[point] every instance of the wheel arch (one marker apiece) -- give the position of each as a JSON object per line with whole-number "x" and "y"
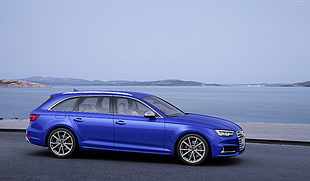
{"x": 65, "y": 127}
{"x": 192, "y": 132}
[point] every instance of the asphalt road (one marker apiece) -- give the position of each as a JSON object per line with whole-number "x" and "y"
{"x": 23, "y": 161}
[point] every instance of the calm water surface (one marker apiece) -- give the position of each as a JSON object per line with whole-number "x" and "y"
{"x": 240, "y": 104}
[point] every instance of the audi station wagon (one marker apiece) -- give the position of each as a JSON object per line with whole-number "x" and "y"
{"x": 130, "y": 122}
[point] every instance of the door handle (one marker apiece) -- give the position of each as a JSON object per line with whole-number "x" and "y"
{"x": 78, "y": 119}
{"x": 120, "y": 122}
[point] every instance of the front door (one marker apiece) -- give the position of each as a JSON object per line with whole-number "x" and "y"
{"x": 133, "y": 131}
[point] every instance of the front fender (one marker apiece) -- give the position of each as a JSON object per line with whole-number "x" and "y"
{"x": 173, "y": 132}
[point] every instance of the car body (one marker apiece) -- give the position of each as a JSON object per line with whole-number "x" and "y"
{"x": 133, "y": 122}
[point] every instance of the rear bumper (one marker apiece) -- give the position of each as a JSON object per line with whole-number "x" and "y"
{"x": 27, "y": 140}
{"x": 35, "y": 137}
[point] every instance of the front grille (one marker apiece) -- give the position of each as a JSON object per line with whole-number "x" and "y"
{"x": 241, "y": 139}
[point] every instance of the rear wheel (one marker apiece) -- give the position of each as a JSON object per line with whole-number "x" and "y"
{"x": 192, "y": 149}
{"x": 61, "y": 143}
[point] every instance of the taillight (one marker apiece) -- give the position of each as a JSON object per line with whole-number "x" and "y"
{"x": 34, "y": 117}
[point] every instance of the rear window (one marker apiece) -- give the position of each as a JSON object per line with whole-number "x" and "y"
{"x": 50, "y": 98}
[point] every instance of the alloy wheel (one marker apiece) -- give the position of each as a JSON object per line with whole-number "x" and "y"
{"x": 192, "y": 149}
{"x": 61, "y": 143}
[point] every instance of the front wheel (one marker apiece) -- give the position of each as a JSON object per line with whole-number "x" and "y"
{"x": 61, "y": 143}
{"x": 192, "y": 149}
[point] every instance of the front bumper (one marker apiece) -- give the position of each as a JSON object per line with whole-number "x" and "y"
{"x": 229, "y": 146}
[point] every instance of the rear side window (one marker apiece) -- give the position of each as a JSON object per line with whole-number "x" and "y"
{"x": 94, "y": 105}
{"x": 99, "y": 104}
{"x": 67, "y": 105}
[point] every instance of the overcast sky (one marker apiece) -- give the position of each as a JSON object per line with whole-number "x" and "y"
{"x": 212, "y": 41}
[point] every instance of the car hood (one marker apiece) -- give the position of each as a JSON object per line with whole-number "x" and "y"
{"x": 204, "y": 121}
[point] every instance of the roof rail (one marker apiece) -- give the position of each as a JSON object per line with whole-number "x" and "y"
{"x": 98, "y": 92}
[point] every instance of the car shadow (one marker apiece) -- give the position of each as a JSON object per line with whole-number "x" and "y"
{"x": 40, "y": 153}
{"x": 224, "y": 161}
{"x": 137, "y": 157}
{"x": 125, "y": 156}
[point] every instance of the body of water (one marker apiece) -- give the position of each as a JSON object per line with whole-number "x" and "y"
{"x": 239, "y": 104}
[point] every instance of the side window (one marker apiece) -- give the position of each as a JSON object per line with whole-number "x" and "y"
{"x": 88, "y": 105}
{"x": 95, "y": 105}
{"x": 131, "y": 107}
{"x": 67, "y": 105}
{"x": 103, "y": 105}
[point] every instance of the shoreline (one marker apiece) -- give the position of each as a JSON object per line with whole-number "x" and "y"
{"x": 253, "y": 130}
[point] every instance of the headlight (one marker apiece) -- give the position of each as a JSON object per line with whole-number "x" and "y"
{"x": 221, "y": 132}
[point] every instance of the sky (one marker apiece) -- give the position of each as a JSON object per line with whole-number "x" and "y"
{"x": 211, "y": 41}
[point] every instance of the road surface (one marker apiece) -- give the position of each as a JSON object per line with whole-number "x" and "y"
{"x": 23, "y": 161}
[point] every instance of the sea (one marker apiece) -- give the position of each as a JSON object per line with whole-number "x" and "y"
{"x": 235, "y": 103}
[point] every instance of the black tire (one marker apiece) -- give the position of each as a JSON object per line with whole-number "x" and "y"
{"x": 61, "y": 143}
{"x": 192, "y": 149}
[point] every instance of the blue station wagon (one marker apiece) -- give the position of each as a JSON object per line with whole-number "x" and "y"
{"x": 131, "y": 122}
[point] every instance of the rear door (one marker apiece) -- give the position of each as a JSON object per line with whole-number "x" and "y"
{"x": 93, "y": 118}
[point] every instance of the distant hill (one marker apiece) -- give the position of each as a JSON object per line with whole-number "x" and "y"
{"x": 259, "y": 85}
{"x": 19, "y": 83}
{"x": 300, "y": 84}
{"x": 172, "y": 82}
{"x": 167, "y": 82}
{"x": 60, "y": 81}
{"x": 72, "y": 81}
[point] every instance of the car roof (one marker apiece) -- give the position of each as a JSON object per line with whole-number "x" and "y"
{"x": 103, "y": 92}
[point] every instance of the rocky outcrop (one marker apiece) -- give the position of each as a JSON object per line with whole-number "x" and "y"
{"x": 19, "y": 83}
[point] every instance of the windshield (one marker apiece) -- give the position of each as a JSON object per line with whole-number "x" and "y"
{"x": 165, "y": 107}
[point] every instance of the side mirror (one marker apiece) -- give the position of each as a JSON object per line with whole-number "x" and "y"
{"x": 150, "y": 114}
